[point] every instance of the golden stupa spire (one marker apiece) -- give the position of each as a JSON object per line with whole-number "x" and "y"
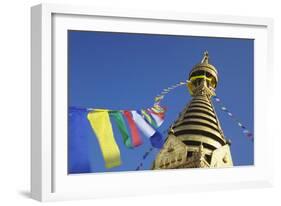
{"x": 196, "y": 136}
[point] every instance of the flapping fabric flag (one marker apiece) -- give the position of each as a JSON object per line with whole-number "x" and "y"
{"x": 80, "y": 136}
{"x": 146, "y": 129}
{"x": 157, "y": 117}
{"x": 157, "y": 112}
{"x": 217, "y": 99}
{"x": 118, "y": 117}
{"x": 158, "y": 109}
{"x": 101, "y": 125}
{"x": 154, "y": 136}
{"x": 157, "y": 140}
{"x": 136, "y": 139}
{"x": 148, "y": 118}
{"x": 158, "y": 98}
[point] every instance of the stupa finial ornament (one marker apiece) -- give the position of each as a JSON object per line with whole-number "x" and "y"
{"x": 205, "y": 58}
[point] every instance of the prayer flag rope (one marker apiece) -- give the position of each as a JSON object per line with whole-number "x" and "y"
{"x": 146, "y": 154}
{"x": 165, "y": 91}
{"x": 245, "y": 131}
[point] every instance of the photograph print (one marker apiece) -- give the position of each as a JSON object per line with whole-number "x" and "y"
{"x": 154, "y": 101}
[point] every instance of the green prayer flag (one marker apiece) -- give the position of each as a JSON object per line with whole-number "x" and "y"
{"x": 118, "y": 117}
{"x": 149, "y": 118}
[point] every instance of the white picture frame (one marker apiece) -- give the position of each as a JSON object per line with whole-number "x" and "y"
{"x": 49, "y": 178}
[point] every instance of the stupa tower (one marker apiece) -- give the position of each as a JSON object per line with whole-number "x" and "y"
{"x": 196, "y": 139}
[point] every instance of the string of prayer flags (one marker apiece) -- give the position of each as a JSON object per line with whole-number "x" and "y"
{"x": 165, "y": 91}
{"x": 244, "y": 129}
{"x": 147, "y": 121}
{"x": 128, "y": 123}
{"x": 101, "y": 125}
{"x": 118, "y": 117}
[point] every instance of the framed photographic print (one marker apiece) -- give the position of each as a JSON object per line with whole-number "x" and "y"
{"x": 137, "y": 102}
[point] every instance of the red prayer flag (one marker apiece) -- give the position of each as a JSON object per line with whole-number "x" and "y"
{"x": 136, "y": 139}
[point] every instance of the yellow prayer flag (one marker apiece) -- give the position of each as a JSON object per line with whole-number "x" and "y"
{"x": 101, "y": 125}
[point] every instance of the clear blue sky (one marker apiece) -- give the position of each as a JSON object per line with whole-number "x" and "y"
{"x": 126, "y": 71}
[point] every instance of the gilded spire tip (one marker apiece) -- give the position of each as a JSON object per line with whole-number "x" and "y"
{"x": 205, "y": 57}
